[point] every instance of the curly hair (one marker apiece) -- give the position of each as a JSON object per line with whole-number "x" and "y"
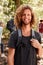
{"x": 18, "y": 15}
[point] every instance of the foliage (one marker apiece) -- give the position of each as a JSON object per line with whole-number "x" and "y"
{"x": 7, "y": 10}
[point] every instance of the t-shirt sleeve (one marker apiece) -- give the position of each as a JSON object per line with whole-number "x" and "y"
{"x": 13, "y": 40}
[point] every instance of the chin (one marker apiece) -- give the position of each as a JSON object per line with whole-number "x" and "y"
{"x": 26, "y": 23}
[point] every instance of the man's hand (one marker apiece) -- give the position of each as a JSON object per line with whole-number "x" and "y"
{"x": 35, "y": 43}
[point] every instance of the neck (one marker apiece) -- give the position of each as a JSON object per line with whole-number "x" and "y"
{"x": 26, "y": 30}
{"x": 26, "y": 27}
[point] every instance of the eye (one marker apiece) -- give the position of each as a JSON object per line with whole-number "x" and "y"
{"x": 23, "y": 14}
{"x": 29, "y": 15}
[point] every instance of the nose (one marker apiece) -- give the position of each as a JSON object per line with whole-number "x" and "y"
{"x": 26, "y": 16}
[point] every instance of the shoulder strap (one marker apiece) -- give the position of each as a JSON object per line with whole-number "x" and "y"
{"x": 33, "y": 34}
{"x": 19, "y": 37}
{"x": 19, "y": 33}
{"x": 34, "y": 50}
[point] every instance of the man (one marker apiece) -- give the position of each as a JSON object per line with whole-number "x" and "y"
{"x": 41, "y": 26}
{"x": 25, "y": 52}
{"x": 1, "y": 43}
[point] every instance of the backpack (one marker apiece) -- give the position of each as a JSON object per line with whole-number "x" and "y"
{"x": 20, "y": 36}
{"x": 33, "y": 62}
{"x": 10, "y": 25}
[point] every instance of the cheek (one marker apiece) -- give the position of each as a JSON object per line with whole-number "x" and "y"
{"x": 23, "y": 18}
{"x": 29, "y": 17}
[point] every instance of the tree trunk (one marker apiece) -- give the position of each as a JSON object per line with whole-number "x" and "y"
{"x": 17, "y": 3}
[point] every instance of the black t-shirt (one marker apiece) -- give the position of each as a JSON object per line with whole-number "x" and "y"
{"x": 25, "y": 55}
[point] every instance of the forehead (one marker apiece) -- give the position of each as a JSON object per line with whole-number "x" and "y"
{"x": 27, "y": 11}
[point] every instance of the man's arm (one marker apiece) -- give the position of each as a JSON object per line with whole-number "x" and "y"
{"x": 35, "y": 43}
{"x": 11, "y": 53}
{"x": 40, "y": 51}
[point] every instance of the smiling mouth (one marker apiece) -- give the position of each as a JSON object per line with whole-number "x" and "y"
{"x": 27, "y": 19}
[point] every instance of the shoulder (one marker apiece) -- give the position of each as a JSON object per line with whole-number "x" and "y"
{"x": 36, "y": 33}
{"x": 38, "y": 36}
{"x": 13, "y": 39}
{"x": 14, "y": 32}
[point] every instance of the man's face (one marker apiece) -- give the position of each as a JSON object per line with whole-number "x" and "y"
{"x": 26, "y": 17}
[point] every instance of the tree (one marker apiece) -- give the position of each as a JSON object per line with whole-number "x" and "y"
{"x": 17, "y": 3}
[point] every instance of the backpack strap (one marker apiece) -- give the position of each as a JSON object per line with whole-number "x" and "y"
{"x": 34, "y": 50}
{"x": 33, "y": 34}
{"x": 19, "y": 37}
{"x": 19, "y": 44}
